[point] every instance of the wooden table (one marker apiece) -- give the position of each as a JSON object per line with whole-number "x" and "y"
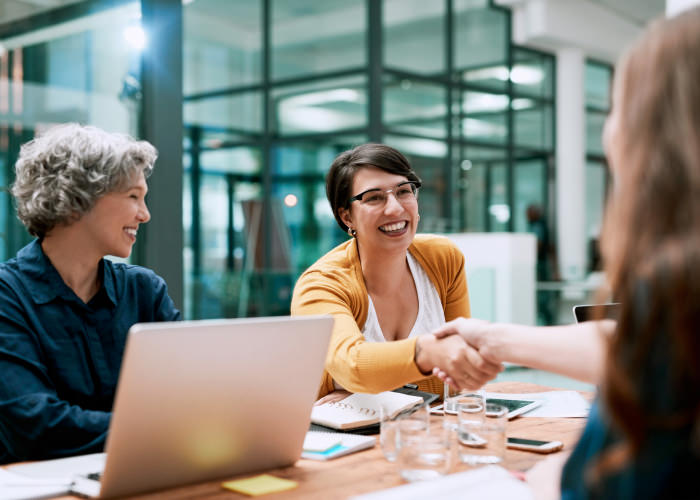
{"x": 368, "y": 471}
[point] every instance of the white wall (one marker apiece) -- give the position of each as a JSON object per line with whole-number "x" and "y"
{"x": 500, "y": 271}
{"x": 673, "y": 7}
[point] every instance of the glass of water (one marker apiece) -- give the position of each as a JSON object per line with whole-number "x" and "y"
{"x": 482, "y": 435}
{"x": 452, "y": 398}
{"x": 414, "y": 420}
{"x": 423, "y": 454}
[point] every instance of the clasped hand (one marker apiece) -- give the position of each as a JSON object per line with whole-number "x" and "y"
{"x": 459, "y": 354}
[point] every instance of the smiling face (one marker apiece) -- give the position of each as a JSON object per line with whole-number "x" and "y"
{"x": 388, "y": 226}
{"x": 113, "y": 222}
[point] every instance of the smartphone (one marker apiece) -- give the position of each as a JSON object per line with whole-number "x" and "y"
{"x": 534, "y": 445}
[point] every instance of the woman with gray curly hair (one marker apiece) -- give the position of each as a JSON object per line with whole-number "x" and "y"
{"x": 64, "y": 309}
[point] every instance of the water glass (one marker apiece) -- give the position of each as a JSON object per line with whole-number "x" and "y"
{"x": 423, "y": 454}
{"x": 482, "y": 435}
{"x": 416, "y": 419}
{"x": 453, "y": 398}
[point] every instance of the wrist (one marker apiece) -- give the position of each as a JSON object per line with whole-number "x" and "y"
{"x": 422, "y": 354}
{"x": 497, "y": 341}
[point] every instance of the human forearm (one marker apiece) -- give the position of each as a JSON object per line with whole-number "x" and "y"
{"x": 576, "y": 351}
{"x": 373, "y": 367}
{"x": 39, "y": 426}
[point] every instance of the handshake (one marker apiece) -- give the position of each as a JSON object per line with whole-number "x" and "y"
{"x": 464, "y": 353}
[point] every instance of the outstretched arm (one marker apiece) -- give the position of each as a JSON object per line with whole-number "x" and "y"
{"x": 576, "y": 351}
{"x": 360, "y": 366}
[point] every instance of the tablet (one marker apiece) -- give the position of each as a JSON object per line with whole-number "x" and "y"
{"x": 516, "y": 406}
{"x": 587, "y": 312}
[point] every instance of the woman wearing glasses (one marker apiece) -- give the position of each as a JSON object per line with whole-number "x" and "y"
{"x": 387, "y": 286}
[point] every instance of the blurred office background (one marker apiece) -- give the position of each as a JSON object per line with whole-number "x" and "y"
{"x": 498, "y": 104}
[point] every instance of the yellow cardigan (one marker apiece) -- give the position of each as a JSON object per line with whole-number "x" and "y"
{"x": 335, "y": 285}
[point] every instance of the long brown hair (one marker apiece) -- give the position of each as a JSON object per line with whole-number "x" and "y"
{"x": 651, "y": 238}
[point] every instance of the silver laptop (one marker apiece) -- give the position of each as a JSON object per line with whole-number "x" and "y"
{"x": 202, "y": 400}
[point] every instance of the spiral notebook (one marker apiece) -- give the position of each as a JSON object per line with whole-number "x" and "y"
{"x": 327, "y": 445}
{"x": 360, "y": 410}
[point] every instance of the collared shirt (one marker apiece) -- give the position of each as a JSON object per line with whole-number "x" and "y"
{"x": 60, "y": 357}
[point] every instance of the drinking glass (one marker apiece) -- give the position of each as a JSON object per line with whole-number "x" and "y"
{"x": 416, "y": 419}
{"x": 452, "y": 398}
{"x": 482, "y": 435}
{"x": 423, "y": 453}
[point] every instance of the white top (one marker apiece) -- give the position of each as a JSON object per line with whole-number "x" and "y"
{"x": 431, "y": 314}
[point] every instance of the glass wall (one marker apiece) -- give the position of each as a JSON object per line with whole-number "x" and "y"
{"x": 275, "y": 89}
{"x": 597, "y": 86}
{"x": 79, "y": 63}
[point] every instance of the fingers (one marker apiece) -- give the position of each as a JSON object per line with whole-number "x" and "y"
{"x": 332, "y": 397}
{"x": 472, "y": 330}
{"x": 446, "y": 330}
{"x": 481, "y": 370}
{"x": 463, "y": 365}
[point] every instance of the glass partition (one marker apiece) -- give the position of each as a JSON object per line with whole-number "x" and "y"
{"x": 320, "y": 106}
{"x": 414, "y": 35}
{"x": 414, "y": 107}
{"x": 222, "y": 44}
{"x": 84, "y": 67}
{"x": 468, "y": 109}
{"x": 311, "y": 37}
{"x": 481, "y": 44}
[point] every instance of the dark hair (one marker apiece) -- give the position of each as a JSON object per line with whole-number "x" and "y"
{"x": 342, "y": 172}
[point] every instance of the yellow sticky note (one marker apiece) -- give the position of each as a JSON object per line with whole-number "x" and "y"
{"x": 260, "y": 485}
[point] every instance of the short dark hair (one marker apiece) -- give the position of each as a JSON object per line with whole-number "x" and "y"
{"x": 342, "y": 172}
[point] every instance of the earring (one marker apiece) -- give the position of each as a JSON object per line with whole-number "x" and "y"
{"x": 351, "y": 232}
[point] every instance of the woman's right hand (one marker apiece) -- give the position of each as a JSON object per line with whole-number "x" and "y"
{"x": 462, "y": 365}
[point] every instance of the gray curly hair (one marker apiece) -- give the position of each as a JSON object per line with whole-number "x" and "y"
{"x": 60, "y": 175}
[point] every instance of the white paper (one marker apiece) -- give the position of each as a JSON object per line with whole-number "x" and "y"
{"x": 62, "y": 469}
{"x": 321, "y": 441}
{"x": 555, "y": 404}
{"x": 486, "y": 483}
{"x": 17, "y": 487}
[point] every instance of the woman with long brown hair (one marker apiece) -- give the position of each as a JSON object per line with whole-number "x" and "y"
{"x": 642, "y": 439}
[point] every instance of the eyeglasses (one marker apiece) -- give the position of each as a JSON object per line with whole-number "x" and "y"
{"x": 404, "y": 193}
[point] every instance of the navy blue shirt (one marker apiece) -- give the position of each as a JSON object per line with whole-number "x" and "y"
{"x": 60, "y": 357}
